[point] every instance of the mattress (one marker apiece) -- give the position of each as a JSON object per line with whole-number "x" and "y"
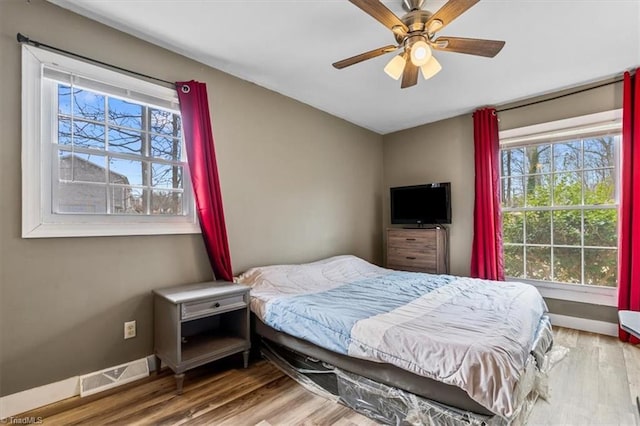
{"x": 477, "y": 336}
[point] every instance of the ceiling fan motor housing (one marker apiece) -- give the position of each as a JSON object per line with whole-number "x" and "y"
{"x": 410, "y": 5}
{"x": 415, "y": 21}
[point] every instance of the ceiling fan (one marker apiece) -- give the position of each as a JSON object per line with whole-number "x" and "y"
{"x": 416, "y": 33}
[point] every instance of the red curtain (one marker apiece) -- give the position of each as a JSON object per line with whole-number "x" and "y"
{"x": 196, "y": 122}
{"x": 629, "y": 216}
{"x": 486, "y": 255}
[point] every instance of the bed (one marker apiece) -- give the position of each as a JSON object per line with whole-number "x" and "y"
{"x": 471, "y": 345}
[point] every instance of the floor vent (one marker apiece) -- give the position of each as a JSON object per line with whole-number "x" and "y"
{"x": 112, "y": 377}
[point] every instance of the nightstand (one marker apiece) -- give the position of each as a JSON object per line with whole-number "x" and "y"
{"x": 200, "y": 323}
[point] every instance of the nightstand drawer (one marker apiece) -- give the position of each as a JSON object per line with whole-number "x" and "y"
{"x": 200, "y": 308}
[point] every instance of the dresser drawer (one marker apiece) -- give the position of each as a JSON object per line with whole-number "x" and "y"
{"x": 408, "y": 257}
{"x": 414, "y": 240}
{"x": 200, "y": 308}
{"x": 428, "y": 270}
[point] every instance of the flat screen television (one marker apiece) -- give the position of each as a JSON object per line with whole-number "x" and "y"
{"x": 421, "y": 204}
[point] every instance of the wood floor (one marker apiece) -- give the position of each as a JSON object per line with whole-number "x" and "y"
{"x": 595, "y": 384}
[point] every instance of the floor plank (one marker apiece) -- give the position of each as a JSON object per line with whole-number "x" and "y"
{"x": 592, "y": 385}
{"x": 596, "y": 384}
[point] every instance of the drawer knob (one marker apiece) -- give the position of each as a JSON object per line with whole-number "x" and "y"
{"x": 216, "y": 305}
{"x": 411, "y": 258}
{"x": 411, "y": 239}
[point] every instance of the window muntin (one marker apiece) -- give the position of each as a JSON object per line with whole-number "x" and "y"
{"x": 559, "y": 206}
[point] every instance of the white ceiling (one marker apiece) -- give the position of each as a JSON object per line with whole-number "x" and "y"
{"x": 288, "y": 46}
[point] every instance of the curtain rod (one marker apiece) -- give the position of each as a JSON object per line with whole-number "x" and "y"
{"x": 24, "y": 39}
{"x": 575, "y": 92}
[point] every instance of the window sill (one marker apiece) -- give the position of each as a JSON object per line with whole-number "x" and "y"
{"x": 102, "y": 230}
{"x": 595, "y": 295}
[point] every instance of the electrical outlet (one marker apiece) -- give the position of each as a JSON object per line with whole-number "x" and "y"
{"x": 129, "y": 329}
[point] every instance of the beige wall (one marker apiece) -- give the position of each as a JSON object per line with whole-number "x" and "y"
{"x": 298, "y": 185}
{"x": 591, "y": 101}
{"x": 437, "y": 152}
{"x": 443, "y": 151}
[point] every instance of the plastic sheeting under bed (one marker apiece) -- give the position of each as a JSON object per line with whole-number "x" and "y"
{"x": 393, "y": 406}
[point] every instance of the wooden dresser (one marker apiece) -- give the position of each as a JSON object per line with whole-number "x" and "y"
{"x": 417, "y": 250}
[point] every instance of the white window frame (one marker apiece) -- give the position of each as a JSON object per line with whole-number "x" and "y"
{"x": 556, "y": 130}
{"x": 38, "y": 217}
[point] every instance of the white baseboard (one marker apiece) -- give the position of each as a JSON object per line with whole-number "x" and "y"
{"x": 593, "y": 326}
{"x": 31, "y": 399}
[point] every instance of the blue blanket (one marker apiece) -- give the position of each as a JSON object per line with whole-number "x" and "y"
{"x": 326, "y": 318}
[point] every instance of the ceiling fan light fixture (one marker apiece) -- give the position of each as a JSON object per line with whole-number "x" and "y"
{"x": 395, "y": 67}
{"x": 420, "y": 53}
{"x": 431, "y": 68}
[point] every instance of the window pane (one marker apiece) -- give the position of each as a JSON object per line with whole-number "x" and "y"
{"x": 88, "y": 135}
{"x": 64, "y": 99}
{"x": 83, "y": 133}
{"x": 599, "y": 187}
{"x": 165, "y": 123}
{"x": 567, "y": 227}
{"x": 600, "y": 152}
{"x": 81, "y": 167}
{"x": 514, "y": 261}
{"x": 127, "y": 200}
{"x": 166, "y": 202}
{"x": 126, "y": 172}
{"x": 538, "y": 227}
{"x": 126, "y": 114}
{"x": 513, "y": 227}
{"x": 513, "y": 162}
{"x": 538, "y": 190}
{"x": 165, "y": 176}
{"x": 82, "y": 198}
{"x": 88, "y": 105}
{"x": 167, "y": 148}
{"x": 538, "y": 159}
{"x": 601, "y": 267}
{"x": 127, "y": 141}
{"x": 64, "y": 131}
{"x": 601, "y": 228}
{"x": 567, "y": 190}
{"x": 539, "y": 263}
{"x": 567, "y": 156}
{"x": 513, "y": 192}
{"x": 567, "y": 265}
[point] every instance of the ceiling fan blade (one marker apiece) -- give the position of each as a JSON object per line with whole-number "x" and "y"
{"x": 364, "y": 56}
{"x": 470, "y": 46}
{"x": 380, "y": 12}
{"x": 447, "y": 13}
{"x": 410, "y": 75}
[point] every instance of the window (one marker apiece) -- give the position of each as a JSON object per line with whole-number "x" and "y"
{"x": 103, "y": 152}
{"x": 559, "y": 191}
